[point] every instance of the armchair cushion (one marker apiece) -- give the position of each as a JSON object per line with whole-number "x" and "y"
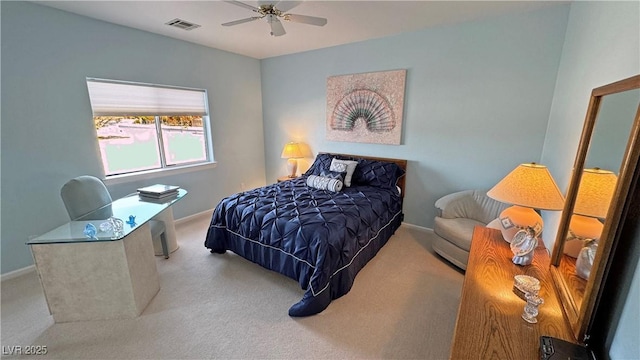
{"x": 456, "y": 231}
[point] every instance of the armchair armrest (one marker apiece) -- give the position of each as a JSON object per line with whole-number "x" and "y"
{"x": 469, "y": 204}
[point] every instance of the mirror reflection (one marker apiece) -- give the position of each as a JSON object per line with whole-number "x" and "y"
{"x": 597, "y": 185}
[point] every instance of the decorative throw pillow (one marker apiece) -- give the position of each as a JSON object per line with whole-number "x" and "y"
{"x": 337, "y": 165}
{"x": 335, "y": 174}
{"x": 377, "y": 173}
{"x": 320, "y": 164}
{"x": 324, "y": 183}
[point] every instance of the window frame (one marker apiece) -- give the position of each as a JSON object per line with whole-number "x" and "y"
{"x": 164, "y": 169}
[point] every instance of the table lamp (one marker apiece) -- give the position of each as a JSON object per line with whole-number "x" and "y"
{"x": 592, "y": 203}
{"x": 527, "y": 187}
{"x": 291, "y": 152}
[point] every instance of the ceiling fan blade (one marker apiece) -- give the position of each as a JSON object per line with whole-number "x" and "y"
{"x": 304, "y": 19}
{"x": 241, "y": 21}
{"x": 267, "y": 2}
{"x": 241, "y": 4}
{"x": 276, "y": 26}
{"x": 286, "y": 5}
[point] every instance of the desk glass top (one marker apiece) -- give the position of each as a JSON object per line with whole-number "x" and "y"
{"x": 143, "y": 209}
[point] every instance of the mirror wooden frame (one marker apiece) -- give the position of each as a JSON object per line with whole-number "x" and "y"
{"x": 579, "y": 318}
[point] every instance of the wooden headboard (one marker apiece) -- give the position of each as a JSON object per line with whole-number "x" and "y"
{"x": 400, "y": 162}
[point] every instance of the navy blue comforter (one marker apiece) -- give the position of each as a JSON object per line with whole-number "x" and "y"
{"x": 317, "y": 237}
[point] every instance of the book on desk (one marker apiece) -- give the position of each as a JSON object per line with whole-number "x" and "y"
{"x": 158, "y": 191}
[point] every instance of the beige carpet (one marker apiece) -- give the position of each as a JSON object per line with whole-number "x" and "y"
{"x": 403, "y": 305}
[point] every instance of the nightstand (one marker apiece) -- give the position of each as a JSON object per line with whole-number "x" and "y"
{"x": 285, "y": 178}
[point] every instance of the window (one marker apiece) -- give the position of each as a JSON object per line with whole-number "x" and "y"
{"x": 144, "y": 127}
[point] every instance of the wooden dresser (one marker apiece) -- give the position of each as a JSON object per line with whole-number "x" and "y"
{"x": 489, "y": 324}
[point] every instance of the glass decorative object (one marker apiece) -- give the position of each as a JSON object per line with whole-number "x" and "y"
{"x": 117, "y": 225}
{"x": 531, "y": 308}
{"x": 90, "y": 231}
{"x": 132, "y": 221}
{"x": 523, "y": 245}
{"x": 527, "y": 284}
{"x": 106, "y": 226}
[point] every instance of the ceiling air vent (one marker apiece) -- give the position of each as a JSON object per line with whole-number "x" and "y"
{"x": 181, "y": 24}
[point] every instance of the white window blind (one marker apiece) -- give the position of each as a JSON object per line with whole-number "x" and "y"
{"x": 109, "y": 98}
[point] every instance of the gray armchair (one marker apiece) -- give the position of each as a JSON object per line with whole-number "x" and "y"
{"x": 458, "y": 214}
{"x": 84, "y": 194}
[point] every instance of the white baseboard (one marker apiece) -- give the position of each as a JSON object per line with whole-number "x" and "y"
{"x": 15, "y": 273}
{"x": 417, "y": 227}
{"x": 197, "y": 216}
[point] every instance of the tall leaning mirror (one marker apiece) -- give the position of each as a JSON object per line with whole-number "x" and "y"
{"x": 606, "y": 158}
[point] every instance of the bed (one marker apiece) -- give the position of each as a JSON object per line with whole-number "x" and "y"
{"x": 318, "y": 237}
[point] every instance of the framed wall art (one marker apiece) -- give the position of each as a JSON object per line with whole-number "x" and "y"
{"x": 366, "y": 107}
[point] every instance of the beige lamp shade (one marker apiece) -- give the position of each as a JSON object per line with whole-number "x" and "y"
{"x": 595, "y": 193}
{"x": 529, "y": 185}
{"x": 291, "y": 150}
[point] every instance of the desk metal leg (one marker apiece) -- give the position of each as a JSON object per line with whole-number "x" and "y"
{"x": 165, "y": 246}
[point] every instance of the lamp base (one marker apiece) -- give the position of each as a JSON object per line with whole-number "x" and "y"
{"x": 523, "y": 260}
{"x": 581, "y": 228}
{"x": 516, "y": 218}
{"x": 292, "y": 167}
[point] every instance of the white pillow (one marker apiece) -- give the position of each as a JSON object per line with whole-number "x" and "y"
{"x": 337, "y": 165}
{"x": 324, "y": 183}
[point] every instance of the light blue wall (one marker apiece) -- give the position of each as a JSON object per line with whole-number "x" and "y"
{"x": 47, "y": 131}
{"x": 477, "y": 101}
{"x": 602, "y": 45}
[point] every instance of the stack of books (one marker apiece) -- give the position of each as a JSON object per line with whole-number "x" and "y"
{"x": 158, "y": 191}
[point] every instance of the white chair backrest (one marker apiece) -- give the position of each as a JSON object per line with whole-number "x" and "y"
{"x": 85, "y": 194}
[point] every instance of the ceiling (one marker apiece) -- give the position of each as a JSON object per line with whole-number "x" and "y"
{"x": 348, "y": 21}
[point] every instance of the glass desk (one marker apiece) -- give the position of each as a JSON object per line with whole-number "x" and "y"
{"x": 107, "y": 276}
{"x": 143, "y": 209}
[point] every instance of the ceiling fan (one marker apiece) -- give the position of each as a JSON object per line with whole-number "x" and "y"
{"x": 269, "y": 11}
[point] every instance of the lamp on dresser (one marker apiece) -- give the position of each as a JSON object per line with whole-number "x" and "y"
{"x": 527, "y": 187}
{"x": 291, "y": 152}
{"x": 592, "y": 203}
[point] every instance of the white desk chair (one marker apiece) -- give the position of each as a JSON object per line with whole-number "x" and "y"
{"x": 84, "y": 194}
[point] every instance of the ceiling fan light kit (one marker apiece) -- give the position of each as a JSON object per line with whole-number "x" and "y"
{"x": 273, "y": 16}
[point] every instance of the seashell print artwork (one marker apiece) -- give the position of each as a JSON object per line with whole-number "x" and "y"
{"x": 366, "y": 107}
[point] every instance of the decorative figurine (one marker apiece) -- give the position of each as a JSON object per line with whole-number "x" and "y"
{"x": 584, "y": 262}
{"x": 90, "y": 231}
{"x": 132, "y": 221}
{"x": 523, "y": 245}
